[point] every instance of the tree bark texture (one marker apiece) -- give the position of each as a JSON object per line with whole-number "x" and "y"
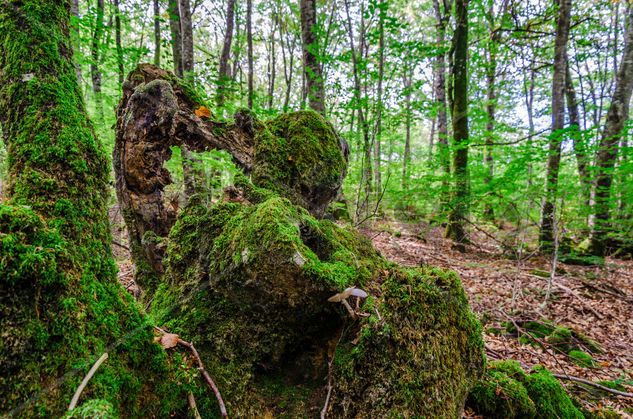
{"x": 312, "y": 68}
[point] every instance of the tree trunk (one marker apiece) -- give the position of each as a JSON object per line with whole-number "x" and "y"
{"x": 582, "y": 159}
{"x": 95, "y": 72}
{"x": 186, "y": 33}
{"x": 176, "y": 36}
{"x": 249, "y": 41}
{"x": 119, "y": 47}
{"x": 442, "y": 16}
{"x": 75, "y": 37}
{"x": 61, "y": 305}
{"x": 406, "y": 160}
{"x": 608, "y": 148}
{"x": 312, "y": 68}
{"x": 157, "y": 40}
{"x": 378, "y": 128}
{"x": 546, "y": 236}
{"x": 459, "y": 76}
{"x": 223, "y": 73}
{"x": 272, "y": 60}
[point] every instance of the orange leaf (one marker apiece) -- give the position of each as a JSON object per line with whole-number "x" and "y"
{"x": 203, "y": 112}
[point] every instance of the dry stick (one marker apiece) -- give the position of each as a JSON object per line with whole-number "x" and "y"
{"x": 591, "y": 383}
{"x": 203, "y": 371}
{"x": 329, "y": 376}
{"x": 193, "y": 406}
{"x": 75, "y": 399}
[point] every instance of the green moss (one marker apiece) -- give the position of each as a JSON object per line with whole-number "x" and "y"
{"x": 298, "y": 155}
{"x": 501, "y": 393}
{"x": 93, "y": 409}
{"x": 582, "y": 358}
{"x": 549, "y": 396}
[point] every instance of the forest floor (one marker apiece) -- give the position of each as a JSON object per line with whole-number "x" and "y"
{"x": 595, "y": 301}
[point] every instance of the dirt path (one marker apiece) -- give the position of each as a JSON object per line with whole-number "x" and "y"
{"x": 597, "y": 302}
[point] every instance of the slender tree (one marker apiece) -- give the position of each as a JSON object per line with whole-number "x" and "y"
{"x": 315, "y": 89}
{"x": 546, "y": 235}
{"x": 249, "y": 42}
{"x": 119, "y": 48}
{"x": 95, "y": 49}
{"x": 608, "y": 149}
{"x": 176, "y": 37}
{"x": 186, "y": 33}
{"x": 223, "y": 73}
{"x": 459, "y": 115}
{"x": 157, "y": 37}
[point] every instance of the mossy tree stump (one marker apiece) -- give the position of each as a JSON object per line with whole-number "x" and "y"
{"x": 248, "y": 279}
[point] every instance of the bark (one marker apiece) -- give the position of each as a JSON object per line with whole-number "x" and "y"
{"x": 546, "y": 234}
{"x": 442, "y": 15}
{"x": 75, "y": 37}
{"x": 272, "y": 60}
{"x": 315, "y": 89}
{"x": 249, "y": 41}
{"x": 608, "y": 148}
{"x": 95, "y": 72}
{"x": 459, "y": 113}
{"x": 176, "y": 36}
{"x": 119, "y": 47}
{"x": 157, "y": 38}
{"x": 288, "y": 43}
{"x": 223, "y": 73}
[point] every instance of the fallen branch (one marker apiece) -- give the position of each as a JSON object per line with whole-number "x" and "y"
{"x": 202, "y": 370}
{"x": 122, "y": 246}
{"x": 591, "y": 383}
{"x": 574, "y": 294}
{"x": 75, "y": 399}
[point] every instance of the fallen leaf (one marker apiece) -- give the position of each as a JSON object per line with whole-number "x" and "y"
{"x": 169, "y": 340}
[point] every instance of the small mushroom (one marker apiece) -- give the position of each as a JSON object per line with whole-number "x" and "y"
{"x": 342, "y": 297}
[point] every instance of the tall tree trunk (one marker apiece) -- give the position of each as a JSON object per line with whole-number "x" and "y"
{"x": 608, "y": 149}
{"x": 362, "y": 207}
{"x": 442, "y": 15}
{"x": 459, "y": 76}
{"x": 176, "y": 36}
{"x": 582, "y": 159}
{"x": 186, "y": 33}
{"x": 75, "y": 38}
{"x": 378, "y": 128}
{"x": 288, "y": 52}
{"x": 406, "y": 160}
{"x": 272, "y": 60}
{"x": 249, "y": 42}
{"x": 546, "y": 236}
{"x": 312, "y": 68}
{"x": 157, "y": 40}
{"x": 119, "y": 47}
{"x": 95, "y": 72}
{"x": 223, "y": 73}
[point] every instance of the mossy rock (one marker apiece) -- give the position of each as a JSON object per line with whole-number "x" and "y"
{"x": 248, "y": 280}
{"x": 506, "y": 391}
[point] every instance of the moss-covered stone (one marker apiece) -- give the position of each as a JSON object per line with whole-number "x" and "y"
{"x": 506, "y": 391}
{"x": 248, "y": 281}
{"x": 501, "y": 393}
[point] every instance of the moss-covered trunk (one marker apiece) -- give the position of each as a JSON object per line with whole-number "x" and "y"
{"x": 60, "y": 304}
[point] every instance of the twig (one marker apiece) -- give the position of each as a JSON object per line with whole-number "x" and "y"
{"x": 122, "y": 246}
{"x": 591, "y": 383}
{"x": 573, "y": 294}
{"x": 75, "y": 399}
{"x": 192, "y": 404}
{"x": 203, "y": 371}
{"x": 329, "y": 377}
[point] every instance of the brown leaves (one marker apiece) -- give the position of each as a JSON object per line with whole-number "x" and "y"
{"x": 203, "y": 112}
